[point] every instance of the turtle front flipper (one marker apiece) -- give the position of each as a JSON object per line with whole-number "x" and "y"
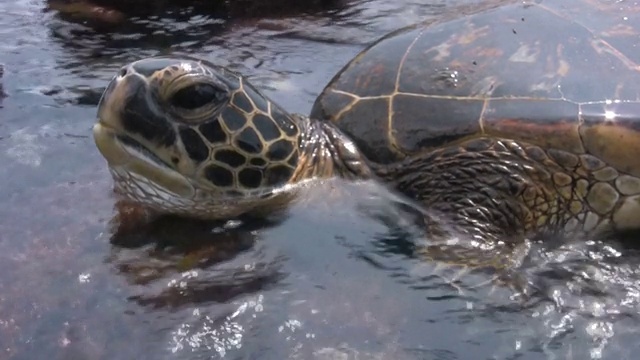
{"x": 500, "y": 190}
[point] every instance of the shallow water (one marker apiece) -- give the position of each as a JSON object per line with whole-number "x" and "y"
{"x": 336, "y": 279}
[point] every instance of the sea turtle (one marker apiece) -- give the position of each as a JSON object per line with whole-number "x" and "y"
{"x": 512, "y": 121}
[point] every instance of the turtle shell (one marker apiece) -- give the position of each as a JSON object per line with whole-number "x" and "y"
{"x": 562, "y": 74}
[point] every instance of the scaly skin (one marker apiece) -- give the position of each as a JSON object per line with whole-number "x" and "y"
{"x": 479, "y": 186}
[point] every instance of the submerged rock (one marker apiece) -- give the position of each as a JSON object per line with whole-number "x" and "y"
{"x": 116, "y": 11}
{"x": 2, "y": 93}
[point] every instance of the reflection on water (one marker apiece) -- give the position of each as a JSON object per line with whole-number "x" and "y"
{"x": 182, "y": 248}
{"x": 342, "y": 276}
{"x": 591, "y": 290}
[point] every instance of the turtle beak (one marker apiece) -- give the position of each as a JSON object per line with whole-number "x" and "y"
{"x": 110, "y": 128}
{"x": 114, "y": 96}
{"x": 109, "y": 146}
{"x": 108, "y": 124}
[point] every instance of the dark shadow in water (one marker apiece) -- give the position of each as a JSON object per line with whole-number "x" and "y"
{"x": 104, "y": 12}
{"x": 164, "y": 26}
{"x": 94, "y": 49}
{"x": 218, "y": 251}
{"x": 166, "y": 30}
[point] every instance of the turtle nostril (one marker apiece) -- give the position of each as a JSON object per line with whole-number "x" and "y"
{"x": 123, "y": 72}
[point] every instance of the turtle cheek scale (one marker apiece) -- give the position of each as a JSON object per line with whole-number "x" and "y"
{"x": 253, "y": 147}
{"x": 253, "y": 160}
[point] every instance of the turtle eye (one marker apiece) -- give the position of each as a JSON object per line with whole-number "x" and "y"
{"x": 196, "y": 96}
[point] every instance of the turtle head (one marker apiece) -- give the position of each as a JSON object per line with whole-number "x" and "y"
{"x": 187, "y": 137}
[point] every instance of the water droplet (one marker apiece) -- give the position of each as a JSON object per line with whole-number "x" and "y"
{"x": 447, "y": 77}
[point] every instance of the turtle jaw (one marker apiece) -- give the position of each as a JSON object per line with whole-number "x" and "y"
{"x": 125, "y": 155}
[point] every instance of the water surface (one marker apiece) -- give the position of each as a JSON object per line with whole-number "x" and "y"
{"x": 337, "y": 278}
